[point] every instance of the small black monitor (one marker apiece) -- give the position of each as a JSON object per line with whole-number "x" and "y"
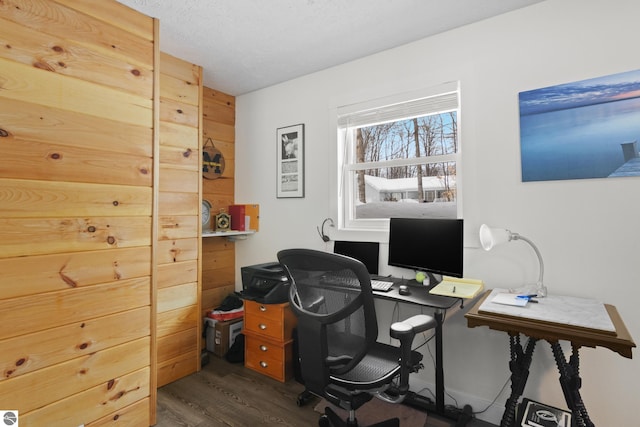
{"x": 366, "y": 252}
{"x": 427, "y": 244}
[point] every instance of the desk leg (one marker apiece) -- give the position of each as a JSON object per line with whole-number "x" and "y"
{"x": 571, "y": 382}
{"x": 519, "y": 366}
{"x": 438, "y": 315}
{"x": 425, "y": 404}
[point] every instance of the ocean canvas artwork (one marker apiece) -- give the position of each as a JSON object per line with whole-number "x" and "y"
{"x": 585, "y": 129}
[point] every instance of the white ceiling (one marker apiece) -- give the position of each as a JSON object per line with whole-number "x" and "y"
{"x": 245, "y": 45}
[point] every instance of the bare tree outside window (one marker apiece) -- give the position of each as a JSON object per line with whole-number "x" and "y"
{"x": 398, "y": 156}
{"x": 405, "y": 174}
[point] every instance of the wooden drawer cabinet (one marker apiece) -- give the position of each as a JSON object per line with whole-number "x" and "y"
{"x": 269, "y": 357}
{"x": 268, "y": 339}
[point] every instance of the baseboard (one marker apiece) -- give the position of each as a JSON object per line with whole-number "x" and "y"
{"x": 493, "y": 413}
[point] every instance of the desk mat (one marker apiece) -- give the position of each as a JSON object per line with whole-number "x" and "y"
{"x": 377, "y": 410}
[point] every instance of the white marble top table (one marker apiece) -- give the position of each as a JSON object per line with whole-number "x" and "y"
{"x": 565, "y": 310}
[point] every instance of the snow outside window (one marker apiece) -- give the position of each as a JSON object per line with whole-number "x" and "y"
{"x": 399, "y": 157}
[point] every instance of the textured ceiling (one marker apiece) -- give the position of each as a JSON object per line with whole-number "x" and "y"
{"x": 245, "y": 45}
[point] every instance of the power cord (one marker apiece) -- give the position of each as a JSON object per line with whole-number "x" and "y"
{"x": 456, "y": 406}
{"x": 495, "y": 398}
{"x": 396, "y": 313}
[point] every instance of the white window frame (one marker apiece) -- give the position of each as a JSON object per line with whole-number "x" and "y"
{"x": 440, "y": 99}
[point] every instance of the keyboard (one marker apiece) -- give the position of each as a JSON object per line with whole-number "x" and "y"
{"x": 336, "y": 280}
{"x": 381, "y": 285}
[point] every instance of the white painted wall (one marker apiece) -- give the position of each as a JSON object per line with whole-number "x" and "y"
{"x": 587, "y": 230}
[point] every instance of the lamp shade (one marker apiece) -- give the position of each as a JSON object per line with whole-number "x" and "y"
{"x": 490, "y": 237}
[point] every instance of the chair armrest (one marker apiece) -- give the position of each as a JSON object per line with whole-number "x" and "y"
{"x": 405, "y": 331}
{"x": 411, "y": 326}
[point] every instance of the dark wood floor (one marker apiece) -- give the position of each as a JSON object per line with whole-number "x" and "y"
{"x": 225, "y": 394}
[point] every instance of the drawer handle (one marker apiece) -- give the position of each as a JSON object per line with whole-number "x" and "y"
{"x": 263, "y": 308}
{"x": 263, "y": 364}
{"x": 262, "y": 326}
{"x": 263, "y": 348}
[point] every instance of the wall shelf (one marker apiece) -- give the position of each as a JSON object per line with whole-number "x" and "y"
{"x": 232, "y": 235}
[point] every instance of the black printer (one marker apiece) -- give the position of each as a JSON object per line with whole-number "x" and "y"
{"x": 265, "y": 283}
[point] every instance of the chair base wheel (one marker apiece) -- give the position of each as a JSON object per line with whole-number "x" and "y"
{"x": 331, "y": 419}
{"x": 304, "y": 398}
{"x": 324, "y": 421}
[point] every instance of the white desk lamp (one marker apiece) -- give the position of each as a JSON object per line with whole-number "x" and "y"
{"x": 490, "y": 237}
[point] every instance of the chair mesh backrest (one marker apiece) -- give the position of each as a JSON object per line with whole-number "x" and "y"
{"x": 331, "y": 296}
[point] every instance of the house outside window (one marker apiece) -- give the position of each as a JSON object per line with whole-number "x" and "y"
{"x": 399, "y": 157}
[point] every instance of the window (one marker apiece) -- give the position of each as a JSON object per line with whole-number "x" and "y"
{"x": 399, "y": 158}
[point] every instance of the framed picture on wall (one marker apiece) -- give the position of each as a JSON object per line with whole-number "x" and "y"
{"x": 581, "y": 130}
{"x": 290, "y": 167}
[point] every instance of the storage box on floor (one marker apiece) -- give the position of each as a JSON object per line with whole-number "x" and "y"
{"x": 221, "y": 335}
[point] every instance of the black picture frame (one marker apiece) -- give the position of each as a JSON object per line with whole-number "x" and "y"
{"x": 290, "y": 162}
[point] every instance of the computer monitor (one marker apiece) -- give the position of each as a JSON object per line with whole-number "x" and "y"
{"x": 429, "y": 245}
{"x": 365, "y": 252}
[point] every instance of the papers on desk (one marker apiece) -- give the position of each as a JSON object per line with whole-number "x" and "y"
{"x": 509, "y": 299}
{"x": 458, "y": 288}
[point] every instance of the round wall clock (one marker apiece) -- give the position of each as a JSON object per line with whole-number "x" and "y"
{"x": 206, "y": 213}
{"x": 212, "y": 161}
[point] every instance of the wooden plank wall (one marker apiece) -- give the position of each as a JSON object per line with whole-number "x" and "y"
{"x": 218, "y": 253}
{"x": 77, "y": 212}
{"x": 178, "y": 310}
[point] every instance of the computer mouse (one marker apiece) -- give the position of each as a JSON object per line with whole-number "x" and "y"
{"x": 404, "y": 290}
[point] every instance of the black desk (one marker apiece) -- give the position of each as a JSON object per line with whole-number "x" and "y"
{"x": 420, "y": 296}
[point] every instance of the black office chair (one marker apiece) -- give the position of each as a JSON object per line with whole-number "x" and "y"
{"x": 337, "y": 330}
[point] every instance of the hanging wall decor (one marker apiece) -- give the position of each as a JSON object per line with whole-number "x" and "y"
{"x": 290, "y": 166}
{"x": 579, "y": 130}
{"x": 212, "y": 161}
